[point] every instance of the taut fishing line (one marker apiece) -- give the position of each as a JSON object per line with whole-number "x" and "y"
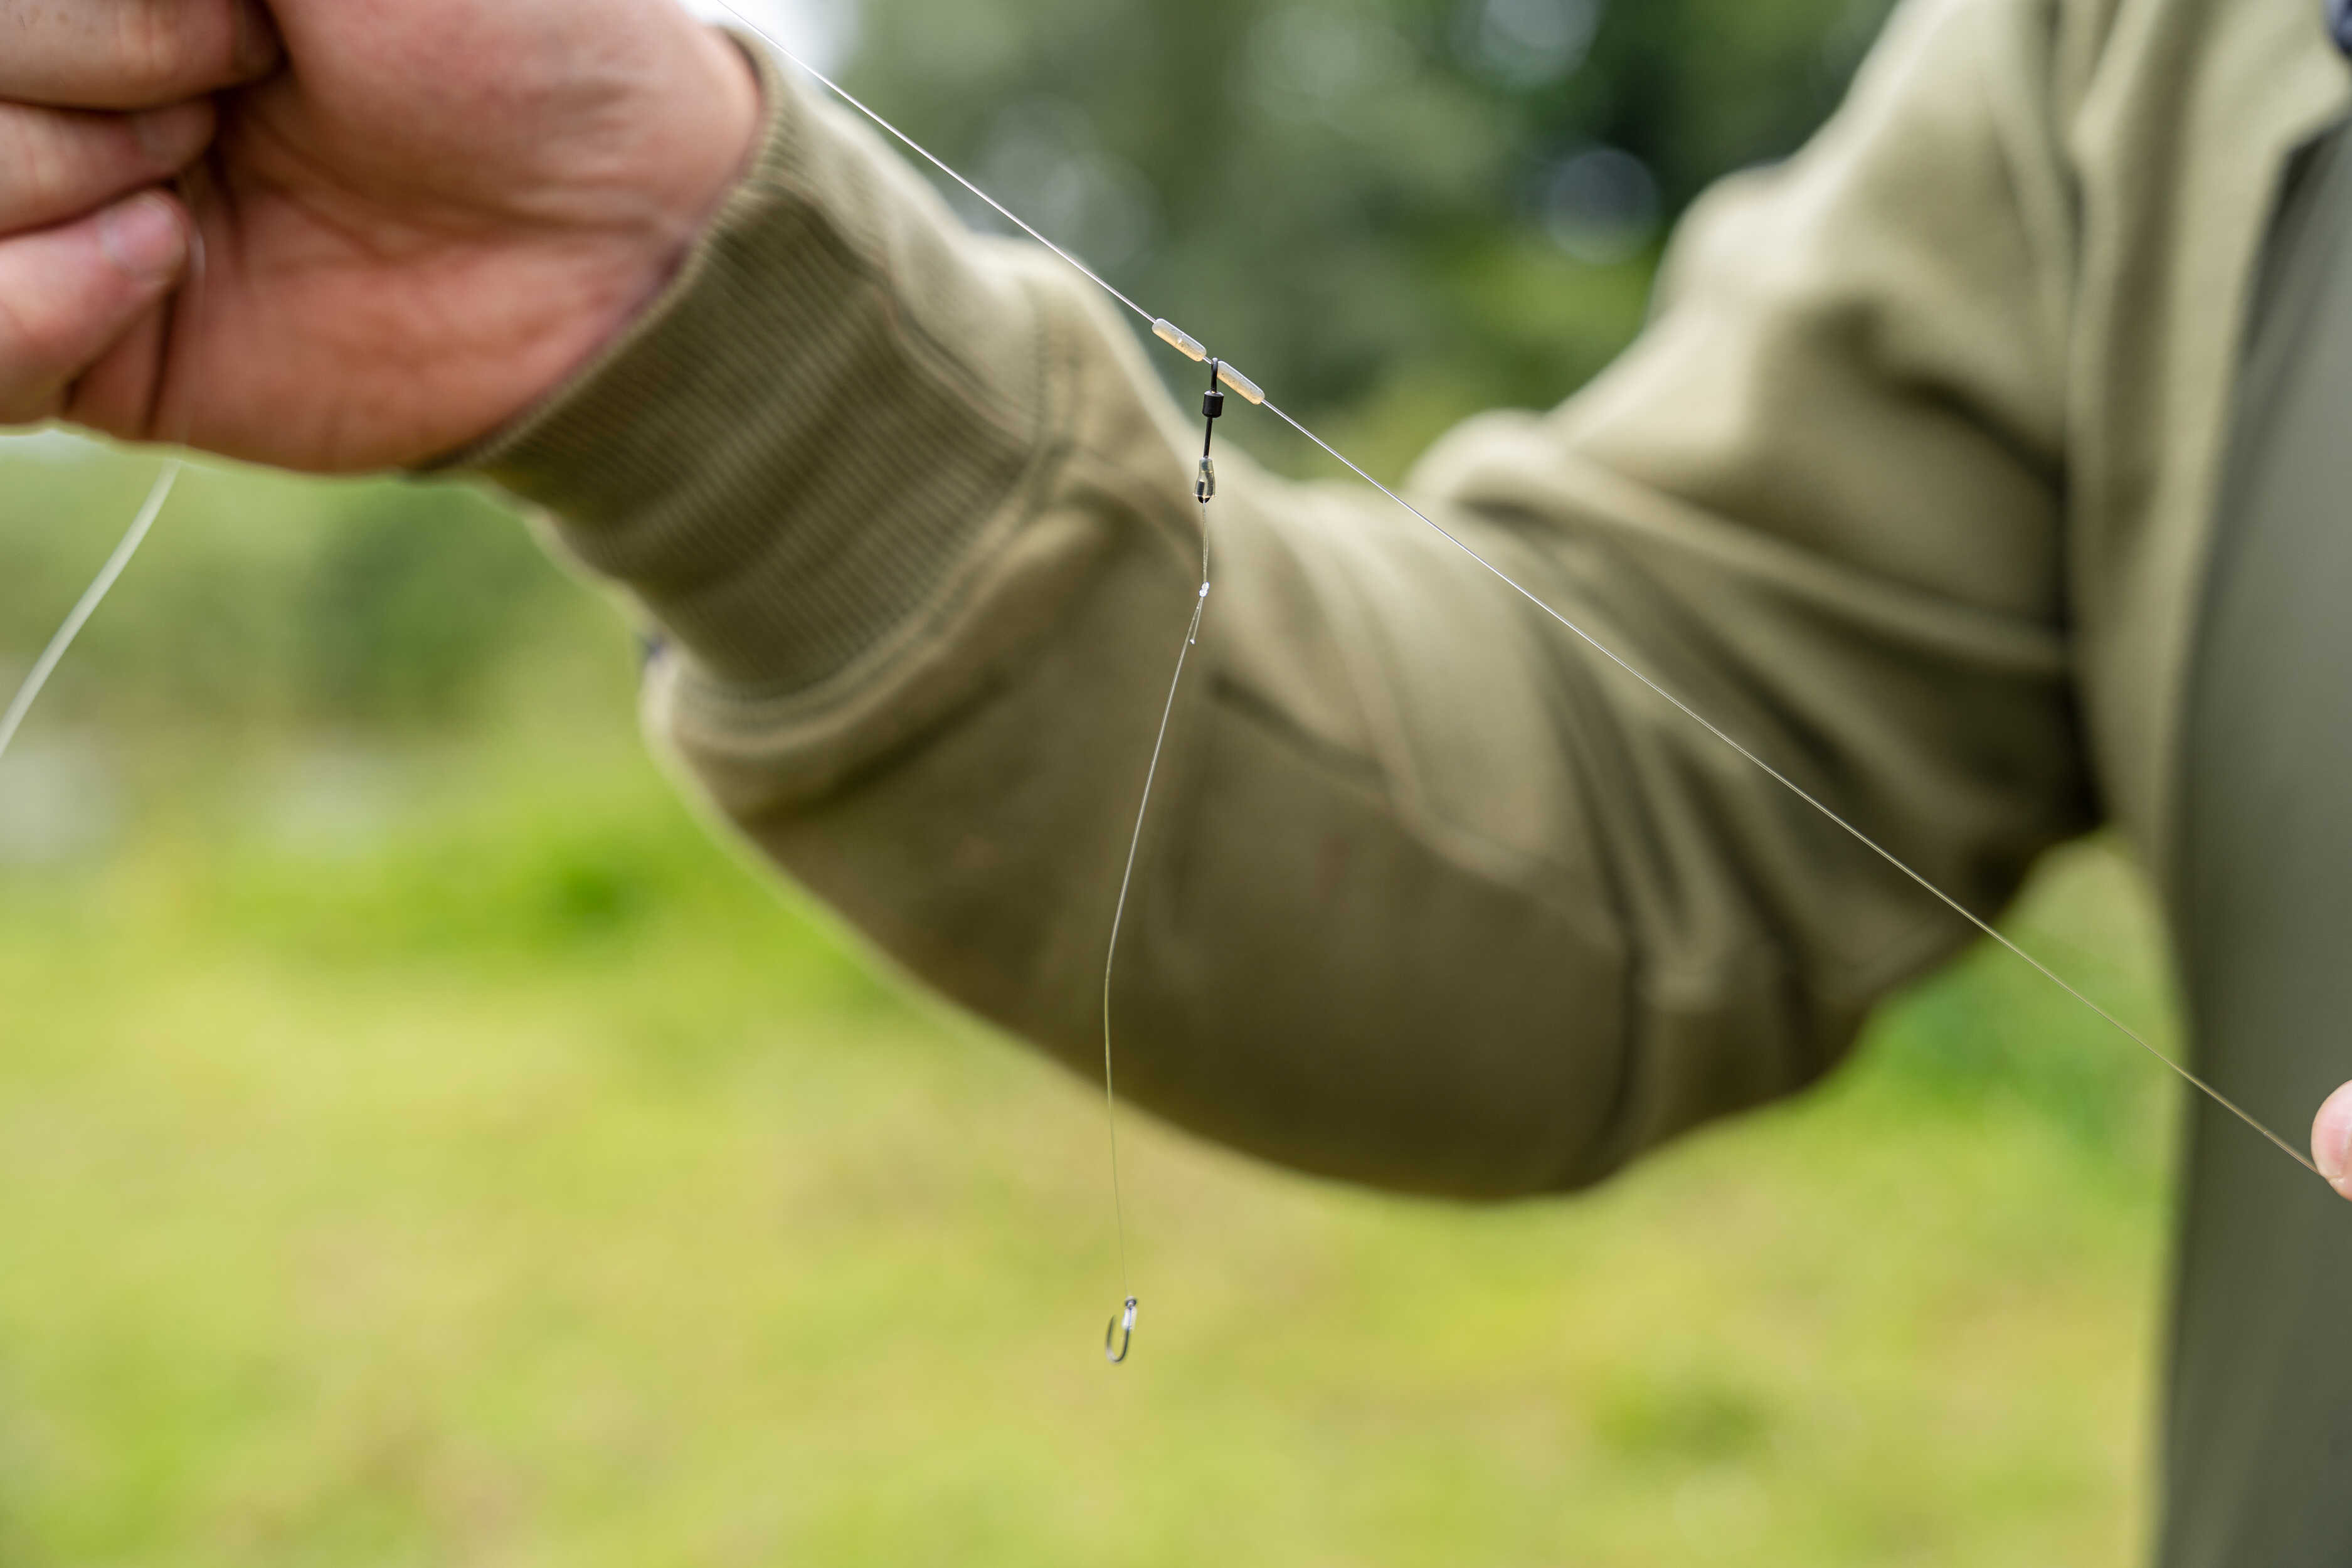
{"x": 1122, "y": 1327}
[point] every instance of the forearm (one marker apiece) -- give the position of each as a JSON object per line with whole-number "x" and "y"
{"x": 918, "y": 524}
{"x": 1432, "y": 897}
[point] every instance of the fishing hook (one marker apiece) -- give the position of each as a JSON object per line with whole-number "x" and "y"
{"x": 1121, "y": 1332}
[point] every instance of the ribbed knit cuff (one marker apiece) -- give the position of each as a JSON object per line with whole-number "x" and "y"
{"x": 789, "y": 455}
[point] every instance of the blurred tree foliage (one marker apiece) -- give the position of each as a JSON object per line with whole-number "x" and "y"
{"x": 412, "y": 595}
{"x": 265, "y": 599}
{"x": 1345, "y": 194}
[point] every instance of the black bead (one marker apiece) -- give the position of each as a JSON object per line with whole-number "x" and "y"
{"x": 1213, "y": 402}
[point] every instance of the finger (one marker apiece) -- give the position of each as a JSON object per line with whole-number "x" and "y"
{"x": 57, "y": 163}
{"x": 2331, "y": 1140}
{"x": 67, "y": 294}
{"x": 131, "y": 53}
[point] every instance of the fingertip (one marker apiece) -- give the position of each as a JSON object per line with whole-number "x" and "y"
{"x": 146, "y": 238}
{"x": 2331, "y": 1140}
{"x": 257, "y": 49}
{"x": 171, "y": 139}
{"x": 72, "y": 293}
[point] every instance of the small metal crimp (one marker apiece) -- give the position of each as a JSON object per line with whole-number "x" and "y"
{"x": 1204, "y": 489}
{"x": 1177, "y": 338}
{"x": 1247, "y": 389}
{"x": 1120, "y": 1333}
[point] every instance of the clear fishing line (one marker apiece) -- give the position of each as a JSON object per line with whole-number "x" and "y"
{"x": 30, "y": 692}
{"x": 1122, "y": 1327}
{"x": 1120, "y": 1335}
{"x": 142, "y": 523}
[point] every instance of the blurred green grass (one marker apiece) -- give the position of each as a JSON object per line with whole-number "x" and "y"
{"x": 491, "y": 1169}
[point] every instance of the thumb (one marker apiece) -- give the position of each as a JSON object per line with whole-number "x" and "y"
{"x": 67, "y": 294}
{"x": 2331, "y": 1140}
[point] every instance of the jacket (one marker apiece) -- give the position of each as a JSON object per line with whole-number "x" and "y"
{"x": 1907, "y": 486}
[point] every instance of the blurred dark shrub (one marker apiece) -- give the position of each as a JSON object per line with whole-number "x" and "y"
{"x": 1340, "y": 193}
{"x": 414, "y": 592}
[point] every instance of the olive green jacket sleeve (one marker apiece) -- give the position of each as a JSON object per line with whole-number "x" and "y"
{"x": 1432, "y": 895}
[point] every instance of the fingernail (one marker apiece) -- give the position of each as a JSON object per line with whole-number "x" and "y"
{"x": 2331, "y": 1138}
{"x": 144, "y": 239}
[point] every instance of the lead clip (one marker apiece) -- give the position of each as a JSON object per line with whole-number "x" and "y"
{"x": 1213, "y": 408}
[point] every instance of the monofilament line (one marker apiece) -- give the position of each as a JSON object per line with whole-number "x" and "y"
{"x": 2185, "y": 1075}
{"x": 92, "y": 597}
{"x": 1118, "y": 919}
{"x": 1007, "y": 214}
{"x": 1790, "y": 785}
{"x": 159, "y": 494}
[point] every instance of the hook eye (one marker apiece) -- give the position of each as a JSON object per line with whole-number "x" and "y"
{"x": 1121, "y": 1334}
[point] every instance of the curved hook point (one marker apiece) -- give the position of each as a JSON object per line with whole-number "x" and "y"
{"x": 1120, "y": 1335}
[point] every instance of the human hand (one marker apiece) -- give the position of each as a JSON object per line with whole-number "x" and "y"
{"x": 416, "y": 217}
{"x": 85, "y": 259}
{"x": 2331, "y": 1140}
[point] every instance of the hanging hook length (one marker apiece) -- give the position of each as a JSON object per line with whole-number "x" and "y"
{"x": 1118, "y": 1339}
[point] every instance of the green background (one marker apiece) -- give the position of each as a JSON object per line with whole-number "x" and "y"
{"x": 421, "y": 1142}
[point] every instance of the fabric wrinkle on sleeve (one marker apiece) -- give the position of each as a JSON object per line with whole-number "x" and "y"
{"x": 1432, "y": 895}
